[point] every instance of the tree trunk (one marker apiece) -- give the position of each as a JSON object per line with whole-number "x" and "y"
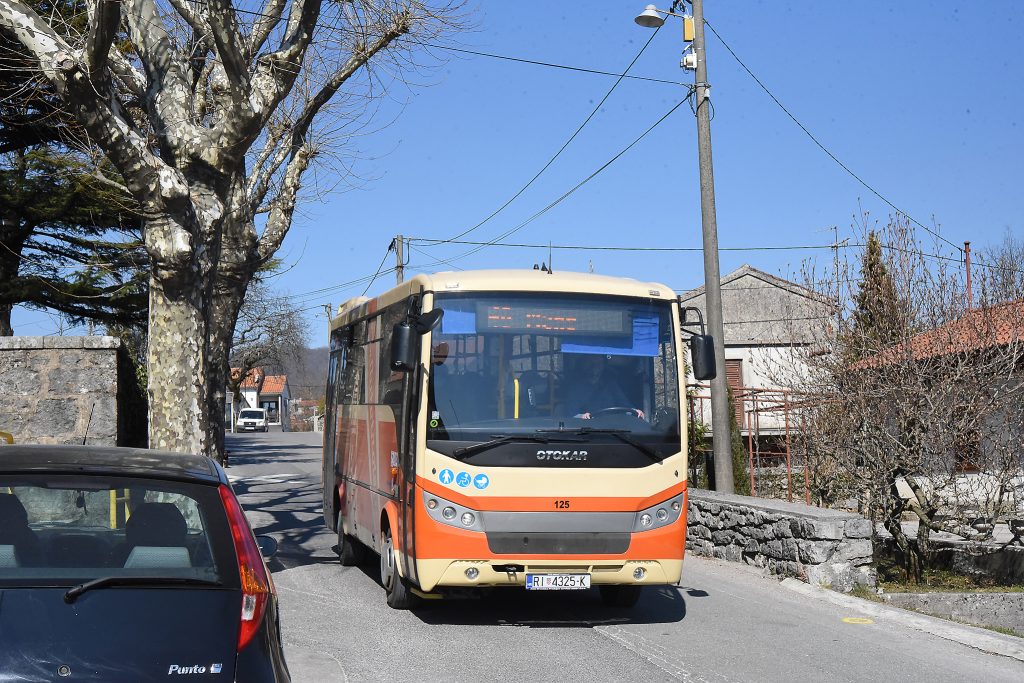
{"x": 223, "y": 314}
{"x": 5, "y": 320}
{"x": 177, "y": 368}
{"x": 12, "y": 240}
{"x": 910, "y": 552}
{"x": 236, "y": 264}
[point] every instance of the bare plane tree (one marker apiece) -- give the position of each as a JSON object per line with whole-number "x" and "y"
{"x": 212, "y": 114}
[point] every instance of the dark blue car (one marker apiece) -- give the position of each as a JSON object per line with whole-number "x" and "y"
{"x": 129, "y": 565}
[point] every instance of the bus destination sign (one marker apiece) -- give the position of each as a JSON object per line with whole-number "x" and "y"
{"x": 528, "y": 317}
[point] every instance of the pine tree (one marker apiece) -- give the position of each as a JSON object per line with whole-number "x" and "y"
{"x": 878, "y": 319}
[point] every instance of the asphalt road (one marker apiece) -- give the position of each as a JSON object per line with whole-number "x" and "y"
{"x": 725, "y": 623}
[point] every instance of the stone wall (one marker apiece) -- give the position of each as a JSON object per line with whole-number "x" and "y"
{"x": 52, "y": 389}
{"x": 820, "y": 546}
{"x": 1004, "y": 610}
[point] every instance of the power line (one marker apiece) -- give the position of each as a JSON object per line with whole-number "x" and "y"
{"x": 582, "y": 247}
{"x": 493, "y": 55}
{"x": 822, "y": 147}
{"x": 390, "y": 247}
{"x": 567, "y": 194}
{"x": 553, "y": 65}
{"x": 560, "y": 149}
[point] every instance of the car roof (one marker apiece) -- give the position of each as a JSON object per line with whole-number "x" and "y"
{"x": 110, "y": 460}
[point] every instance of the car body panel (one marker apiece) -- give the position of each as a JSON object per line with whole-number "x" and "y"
{"x": 118, "y": 633}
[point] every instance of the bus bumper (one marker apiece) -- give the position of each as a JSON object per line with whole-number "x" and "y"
{"x": 440, "y": 573}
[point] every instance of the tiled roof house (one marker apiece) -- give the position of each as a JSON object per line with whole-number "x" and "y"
{"x": 260, "y": 390}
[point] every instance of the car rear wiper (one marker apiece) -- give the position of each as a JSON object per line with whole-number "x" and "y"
{"x": 621, "y": 434}
{"x": 103, "y": 581}
{"x": 497, "y": 440}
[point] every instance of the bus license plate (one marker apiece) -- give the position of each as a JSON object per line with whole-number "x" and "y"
{"x": 557, "y": 582}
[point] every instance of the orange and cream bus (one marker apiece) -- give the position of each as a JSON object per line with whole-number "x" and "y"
{"x": 510, "y": 428}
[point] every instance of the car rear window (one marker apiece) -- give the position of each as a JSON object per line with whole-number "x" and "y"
{"x": 71, "y": 528}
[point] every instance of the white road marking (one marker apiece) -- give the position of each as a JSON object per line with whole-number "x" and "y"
{"x": 652, "y": 652}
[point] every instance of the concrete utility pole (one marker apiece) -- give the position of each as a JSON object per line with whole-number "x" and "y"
{"x": 712, "y": 273}
{"x": 967, "y": 260}
{"x": 399, "y": 260}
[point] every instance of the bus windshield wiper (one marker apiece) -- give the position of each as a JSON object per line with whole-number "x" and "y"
{"x": 621, "y": 434}
{"x": 497, "y": 440}
{"x": 104, "y": 581}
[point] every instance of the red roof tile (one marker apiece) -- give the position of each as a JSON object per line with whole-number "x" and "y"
{"x": 982, "y": 328}
{"x": 274, "y": 384}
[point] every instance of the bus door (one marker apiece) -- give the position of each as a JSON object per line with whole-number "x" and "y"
{"x": 330, "y": 457}
{"x": 406, "y": 425}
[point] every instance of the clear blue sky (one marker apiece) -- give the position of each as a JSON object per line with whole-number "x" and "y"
{"x": 923, "y": 100}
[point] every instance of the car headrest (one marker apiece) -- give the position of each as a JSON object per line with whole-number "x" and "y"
{"x": 12, "y": 512}
{"x": 156, "y": 524}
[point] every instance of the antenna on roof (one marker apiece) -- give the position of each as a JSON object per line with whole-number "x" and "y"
{"x": 551, "y": 259}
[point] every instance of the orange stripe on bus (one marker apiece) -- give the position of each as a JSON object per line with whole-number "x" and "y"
{"x": 545, "y": 503}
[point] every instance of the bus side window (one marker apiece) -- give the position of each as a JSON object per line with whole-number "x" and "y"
{"x": 390, "y": 382}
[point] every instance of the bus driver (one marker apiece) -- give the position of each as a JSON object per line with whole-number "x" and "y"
{"x": 597, "y": 388}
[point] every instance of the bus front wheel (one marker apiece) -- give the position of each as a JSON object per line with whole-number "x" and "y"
{"x": 399, "y": 595}
{"x": 620, "y": 596}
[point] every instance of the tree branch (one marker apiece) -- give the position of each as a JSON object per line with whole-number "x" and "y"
{"x": 299, "y": 130}
{"x": 228, "y": 39}
{"x": 105, "y": 18}
{"x": 283, "y": 207}
{"x": 169, "y": 92}
{"x": 268, "y": 19}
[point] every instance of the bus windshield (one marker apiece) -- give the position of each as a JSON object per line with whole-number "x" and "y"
{"x": 545, "y": 379}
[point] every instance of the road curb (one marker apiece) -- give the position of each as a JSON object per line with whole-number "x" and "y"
{"x": 971, "y": 636}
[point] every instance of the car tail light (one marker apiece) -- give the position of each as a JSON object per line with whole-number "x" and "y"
{"x": 257, "y": 586}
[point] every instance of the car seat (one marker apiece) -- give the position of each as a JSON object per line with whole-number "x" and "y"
{"x": 156, "y": 535}
{"x": 15, "y": 532}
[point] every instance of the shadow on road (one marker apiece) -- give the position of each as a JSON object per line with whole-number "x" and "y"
{"x": 552, "y": 609}
{"x": 544, "y": 609}
{"x": 285, "y": 505}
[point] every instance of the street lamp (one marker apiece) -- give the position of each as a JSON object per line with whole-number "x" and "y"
{"x": 652, "y": 17}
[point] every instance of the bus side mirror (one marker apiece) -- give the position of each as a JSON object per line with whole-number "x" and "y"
{"x": 429, "y": 320}
{"x": 403, "y": 347}
{"x": 405, "y": 338}
{"x": 702, "y": 353}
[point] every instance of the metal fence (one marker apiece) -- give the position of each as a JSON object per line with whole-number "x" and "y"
{"x": 769, "y": 428}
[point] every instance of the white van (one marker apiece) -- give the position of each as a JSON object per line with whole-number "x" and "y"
{"x": 251, "y": 419}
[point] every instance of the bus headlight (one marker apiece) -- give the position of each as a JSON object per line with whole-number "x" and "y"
{"x": 452, "y": 514}
{"x": 664, "y": 513}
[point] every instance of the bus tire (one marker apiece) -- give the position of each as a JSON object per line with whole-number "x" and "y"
{"x": 620, "y": 596}
{"x": 399, "y": 595}
{"x": 351, "y": 553}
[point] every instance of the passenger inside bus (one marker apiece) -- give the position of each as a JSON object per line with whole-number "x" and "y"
{"x": 600, "y": 386}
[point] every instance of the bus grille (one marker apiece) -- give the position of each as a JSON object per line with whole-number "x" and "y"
{"x": 548, "y": 543}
